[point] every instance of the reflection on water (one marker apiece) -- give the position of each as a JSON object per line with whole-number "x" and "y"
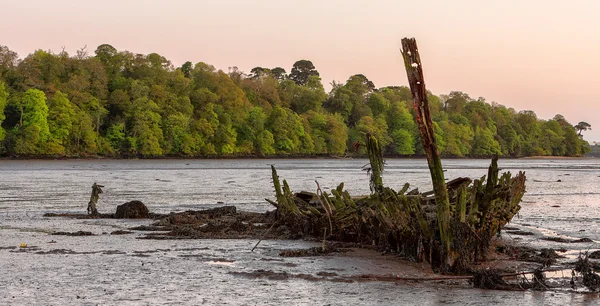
{"x": 562, "y": 199}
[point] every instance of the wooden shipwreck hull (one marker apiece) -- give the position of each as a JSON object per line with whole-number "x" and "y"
{"x": 406, "y": 221}
{"x": 450, "y": 227}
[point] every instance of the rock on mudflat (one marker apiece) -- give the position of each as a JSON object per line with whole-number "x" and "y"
{"x": 132, "y": 210}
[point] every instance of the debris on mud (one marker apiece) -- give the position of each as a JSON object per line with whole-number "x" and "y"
{"x": 271, "y": 275}
{"x": 77, "y": 233}
{"x": 80, "y": 215}
{"x": 591, "y": 280}
{"x": 564, "y": 240}
{"x": 546, "y": 256}
{"x": 59, "y": 251}
{"x": 489, "y": 279}
{"x": 216, "y": 223}
{"x": 539, "y": 280}
{"x": 149, "y": 228}
{"x": 519, "y": 232}
{"x": 315, "y": 251}
{"x": 594, "y": 255}
{"x": 121, "y": 232}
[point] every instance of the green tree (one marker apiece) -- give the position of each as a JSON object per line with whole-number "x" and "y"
{"x": 145, "y": 132}
{"x": 252, "y": 137}
{"x": 530, "y": 133}
{"x": 402, "y": 128}
{"x": 318, "y": 129}
{"x": 458, "y": 135}
{"x": 582, "y": 126}
{"x": 259, "y": 72}
{"x": 378, "y": 104}
{"x": 278, "y": 73}
{"x": 340, "y": 102}
{"x": 83, "y": 136}
{"x": 176, "y": 134}
{"x": 337, "y": 134}
{"x": 106, "y": 54}
{"x": 60, "y": 119}
{"x": 115, "y": 134}
{"x": 3, "y": 101}
{"x": 186, "y": 68}
{"x": 369, "y": 125}
{"x": 203, "y": 129}
{"x": 308, "y": 97}
{"x": 33, "y": 132}
{"x": 509, "y": 140}
{"x": 554, "y": 138}
{"x": 302, "y": 71}
{"x": 360, "y": 88}
{"x": 404, "y": 142}
{"x": 225, "y": 136}
{"x": 484, "y": 143}
{"x": 263, "y": 92}
{"x": 256, "y": 135}
{"x": 456, "y": 101}
{"x": 288, "y": 131}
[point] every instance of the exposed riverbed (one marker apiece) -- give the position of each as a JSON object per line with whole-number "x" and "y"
{"x": 562, "y": 200}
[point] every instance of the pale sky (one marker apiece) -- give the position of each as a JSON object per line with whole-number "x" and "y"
{"x": 540, "y": 55}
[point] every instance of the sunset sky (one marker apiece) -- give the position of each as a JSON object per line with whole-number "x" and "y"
{"x": 529, "y": 55}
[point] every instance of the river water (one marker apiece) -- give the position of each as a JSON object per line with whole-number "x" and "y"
{"x": 562, "y": 200}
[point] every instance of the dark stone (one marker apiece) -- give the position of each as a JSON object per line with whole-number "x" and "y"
{"x": 132, "y": 210}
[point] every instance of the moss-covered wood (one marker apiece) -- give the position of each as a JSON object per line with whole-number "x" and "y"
{"x": 414, "y": 72}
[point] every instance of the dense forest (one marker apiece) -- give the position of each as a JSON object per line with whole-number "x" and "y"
{"x": 121, "y": 104}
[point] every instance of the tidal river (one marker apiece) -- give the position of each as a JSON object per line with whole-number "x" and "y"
{"x": 562, "y": 200}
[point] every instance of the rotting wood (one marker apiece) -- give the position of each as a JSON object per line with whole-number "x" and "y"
{"x": 414, "y": 72}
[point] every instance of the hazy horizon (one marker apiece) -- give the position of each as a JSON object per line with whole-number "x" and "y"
{"x": 534, "y": 55}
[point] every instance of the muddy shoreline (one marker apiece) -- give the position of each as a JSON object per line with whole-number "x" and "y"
{"x": 508, "y": 266}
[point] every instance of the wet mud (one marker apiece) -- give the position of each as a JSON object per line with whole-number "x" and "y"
{"x": 228, "y": 223}
{"x": 129, "y": 269}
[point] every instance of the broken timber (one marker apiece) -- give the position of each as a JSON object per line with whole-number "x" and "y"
{"x": 450, "y": 230}
{"x": 414, "y": 72}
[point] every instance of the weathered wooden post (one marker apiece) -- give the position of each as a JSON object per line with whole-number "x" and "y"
{"x": 414, "y": 72}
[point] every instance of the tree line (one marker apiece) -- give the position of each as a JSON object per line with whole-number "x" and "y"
{"x": 121, "y": 104}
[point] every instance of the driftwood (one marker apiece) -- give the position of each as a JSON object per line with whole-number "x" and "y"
{"x": 451, "y": 229}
